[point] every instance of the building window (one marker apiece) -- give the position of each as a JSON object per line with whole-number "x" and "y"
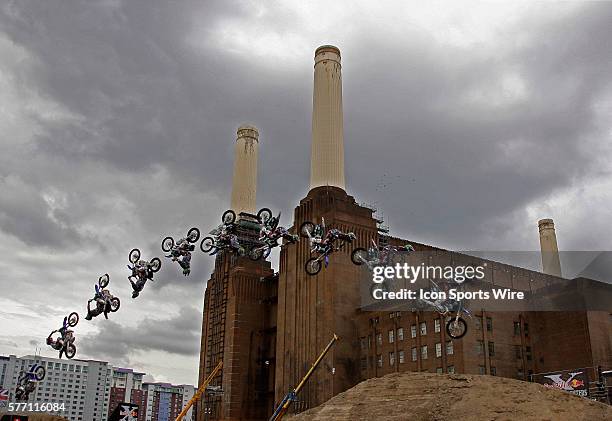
{"x": 480, "y": 345}
{"x": 438, "y": 350}
{"x": 517, "y": 352}
{"x": 424, "y": 352}
{"x": 379, "y": 338}
{"x": 362, "y": 341}
{"x": 423, "y": 329}
{"x": 392, "y": 358}
{"x": 364, "y": 363}
{"x": 517, "y": 328}
{"x": 481, "y": 369}
{"x": 414, "y": 354}
{"x": 449, "y": 348}
{"x": 528, "y": 353}
{"x": 491, "y": 349}
{"x": 478, "y": 322}
{"x": 450, "y": 369}
{"x": 493, "y": 371}
{"x": 379, "y": 360}
{"x": 439, "y": 370}
{"x": 391, "y": 336}
{"x": 413, "y": 331}
{"x": 489, "y": 324}
{"x": 526, "y": 329}
{"x": 437, "y": 325}
{"x": 401, "y": 357}
{"x": 400, "y": 333}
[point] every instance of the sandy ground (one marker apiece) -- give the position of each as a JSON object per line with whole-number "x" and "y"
{"x": 438, "y": 397}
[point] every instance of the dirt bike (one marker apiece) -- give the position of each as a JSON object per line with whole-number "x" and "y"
{"x": 376, "y": 256}
{"x": 27, "y": 382}
{"x": 322, "y": 245}
{"x": 270, "y": 235}
{"x": 65, "y": 344}
{"x": 456, "y": 326}
{"x": 111, "y": 303}
{"x": 229, "y": 216}
{"x": 141, "y": 271}
{"x": 180, "y": 252}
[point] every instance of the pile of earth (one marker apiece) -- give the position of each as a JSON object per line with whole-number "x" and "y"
{"x": 428, "y": 396}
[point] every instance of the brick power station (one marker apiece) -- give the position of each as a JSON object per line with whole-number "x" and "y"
{"x": 269, "y": 327}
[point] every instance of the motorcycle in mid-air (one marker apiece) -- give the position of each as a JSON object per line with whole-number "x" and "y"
{"x": 26, "y": 383}
{"x": 379, "y": 256}
{"x": 269, "y": 237}
{"x": 65, "y": 342}
{"x": 181, "y": 250}
{"x": 105, "y": 301}
{"x": 142, "y": 271}
{"x": 322, "y": 244}
{"x": 452, "y": 310}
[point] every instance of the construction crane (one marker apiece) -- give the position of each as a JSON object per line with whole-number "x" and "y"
{"x": 292, "y": 396}
{"x": 199, "y": 392}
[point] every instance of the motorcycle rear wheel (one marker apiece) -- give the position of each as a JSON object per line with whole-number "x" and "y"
{"x": 193, "y": 235}
{"x": 73, "y": 319}
{"x": 70, "y": 351}
{"x": 104, "y": 280}
{"x": 167, "y": 244}
{"x": 359, "y": 256}
{"x": 456, "y": 329}
{"x": 155, "y": 264}
{"x": 312, "y": 266}
{"x": 264, "y": 215}
{"x": 115, "y": 304}
{"x": 207, "y": 244}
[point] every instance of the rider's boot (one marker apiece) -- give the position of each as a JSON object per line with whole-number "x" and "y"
{"x": 88, "y": 317}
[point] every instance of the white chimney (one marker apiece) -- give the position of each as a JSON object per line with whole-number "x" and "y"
{"x": 327, "y": 155}
{"x": 551, "y": 264}
{"x": 244, "y": 187}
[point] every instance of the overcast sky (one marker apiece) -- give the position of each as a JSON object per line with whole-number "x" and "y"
{"x": 464, "y": 122}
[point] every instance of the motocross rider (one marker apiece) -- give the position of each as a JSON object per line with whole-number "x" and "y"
{"x": 101, "y": 297}
{"x": 26, "y": 385}
{"x": 65, "y": 333}
{"x": 142, "y": 272}
{"x": 182, "y": 254}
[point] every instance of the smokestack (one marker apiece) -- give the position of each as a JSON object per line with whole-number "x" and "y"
{"x": 244, "y": 188}
{"x": 327, "y": 154}
{"x": 548, "y": 246}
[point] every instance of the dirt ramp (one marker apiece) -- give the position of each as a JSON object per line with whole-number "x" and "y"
{"x": 440, "y": 397}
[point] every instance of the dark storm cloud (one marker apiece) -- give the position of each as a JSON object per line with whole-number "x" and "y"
{"x": 176, "y": 335}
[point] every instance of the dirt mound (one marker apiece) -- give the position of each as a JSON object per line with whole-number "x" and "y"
{"x": 427, "y": 396}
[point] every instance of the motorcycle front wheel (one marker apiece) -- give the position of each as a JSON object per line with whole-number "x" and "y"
{"x": 155, "y": 264}
{"x": 73, "y": 319}
{"x": 40, "y": 373}
{"x": 70, "y": 351}
{"x": 193, "y": 235}
{"x": 306, "y": 229}
{"x": 134, "y": 256}
{"x": 359, "y": 256}
{"x": 104, "y": 280}
{"x": 456, "y": 328}
{"x": 115, "y": 304}
{"x": 229, "y": 217}
{"x": 207, "y": 244}
{"x": 264, "y": 215}
{"x": 167, "y": 244}
{"x": 312, "y": 266}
